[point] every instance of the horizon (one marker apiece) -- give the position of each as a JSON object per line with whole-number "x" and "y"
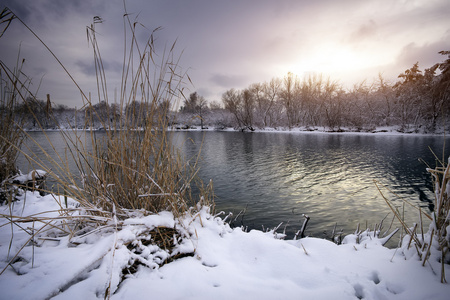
{"x": 230, "y": 45}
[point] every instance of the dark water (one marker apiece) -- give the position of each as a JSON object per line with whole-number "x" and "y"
{"x": 330, "y": 177}
{"x": 277, "y": 177}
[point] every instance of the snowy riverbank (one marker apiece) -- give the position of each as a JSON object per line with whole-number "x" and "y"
{"x": 211, "y": 261}
{"x": 386, "y": 130}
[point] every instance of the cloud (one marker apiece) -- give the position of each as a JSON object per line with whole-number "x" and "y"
{"x": 230, "y": 44}
{"x": 18, "y": 7}
{"x": 426, "y": 54}
{"x": 88, "y": 68}
{"x": 365, "y": 31}
{"x": 227, "y": 81}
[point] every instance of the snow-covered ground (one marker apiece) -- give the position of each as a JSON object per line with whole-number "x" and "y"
{"x": 216, "y": 262}
{"x": 381, "y": 130}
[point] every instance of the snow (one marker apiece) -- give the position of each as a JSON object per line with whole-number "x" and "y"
{"x": 221, "y": 262}
{"x": 36, "y": 174}
{"x": 380, "y": 130}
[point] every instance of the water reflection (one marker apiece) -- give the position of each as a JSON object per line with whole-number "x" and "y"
{"x": 280, "y": 176}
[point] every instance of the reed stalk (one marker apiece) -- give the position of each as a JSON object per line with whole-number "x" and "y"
{"x": 11, "y": 137}
{"x": 437, "y": 236}
{"x": 132, "y": 167}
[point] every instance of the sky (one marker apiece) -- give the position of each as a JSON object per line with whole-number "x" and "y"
{"x": 229, "y": 44}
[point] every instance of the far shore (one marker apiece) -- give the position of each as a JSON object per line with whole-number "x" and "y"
{"x": 387, "y": 130}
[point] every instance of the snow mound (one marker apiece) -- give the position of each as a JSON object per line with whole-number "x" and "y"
{"x": 196, "y": 257}
{"x": 31, "y": 176}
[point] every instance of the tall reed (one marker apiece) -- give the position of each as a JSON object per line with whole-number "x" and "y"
{"x": 11, "y": 90}
{"x": 437, "y": 238}
{"x": 134, "y": 164}
{"x": 441, "y": 214}
{"x": 131, "y": 168}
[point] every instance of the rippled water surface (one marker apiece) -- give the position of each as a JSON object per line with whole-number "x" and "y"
{"x": 277, "y": 177}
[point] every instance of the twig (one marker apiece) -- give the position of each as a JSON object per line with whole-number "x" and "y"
{"x": 413, "y": 232}
{"x": 387, "y": 238}
{"x": 304, "y": 249}
{"x": 302, "y": 231}
{"x": 429, "y": 248}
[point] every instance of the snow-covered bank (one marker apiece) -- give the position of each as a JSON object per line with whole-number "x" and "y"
{"x": 218, "y": 262}
{"x": 387, "y": 130}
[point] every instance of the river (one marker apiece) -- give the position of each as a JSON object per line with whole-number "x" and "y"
{"x": 266, "y": 178}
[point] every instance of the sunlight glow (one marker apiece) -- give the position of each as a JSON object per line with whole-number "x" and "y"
{"x": 337, "y": 59}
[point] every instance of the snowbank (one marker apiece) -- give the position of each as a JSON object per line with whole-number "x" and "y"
{"x": 30, "y": 176}
{"x": 214, "y": 262}
{"x": 381, "y": 130}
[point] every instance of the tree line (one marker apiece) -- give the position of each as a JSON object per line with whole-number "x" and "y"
{"x": 36, "y": 114}
{"x": 418, "y": 102}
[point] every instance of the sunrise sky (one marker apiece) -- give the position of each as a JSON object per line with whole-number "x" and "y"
{"x": 231, "y": 44}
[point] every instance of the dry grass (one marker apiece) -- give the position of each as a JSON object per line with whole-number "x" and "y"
{"x": 133, "y": 168}
{"x": 134, "y": 165}
{"x": 441, "y": 214}
{"x": 437, "y": 237}
{"x": 11, "y": 91}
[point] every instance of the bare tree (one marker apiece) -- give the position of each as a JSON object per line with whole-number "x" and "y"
{"x": 232, "y": 102}
{"x": 364, "y": 111}
{"x": 201, "y": 109}
{"x": 248, "y": 102}
{"x": 190, "y": 104}
{"x": 261, "y": 103}
{"x": 272, "y": 114}
{"x": 312, "y": 93}
{"x": 287, "y": 96}
{"x": 385, "y": 93}
{"x": 136, "y": 113}
{"x": 195, "y": 107}
{"x": 241, "y": 105}
{"x": 332, "y": 96}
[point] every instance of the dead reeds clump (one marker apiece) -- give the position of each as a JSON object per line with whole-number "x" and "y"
{"x": 127, "y": 166}
{"x": 10, "y": 140}
{"x": 12, "y": 89}
{"x": 440, "y": 226}
{"x": 132, "y": 163}
{"x": 432, "y": 246}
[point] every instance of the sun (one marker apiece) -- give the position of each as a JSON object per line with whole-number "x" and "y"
{"x": 335, "y": 60}
{"x": 331, "y": 60}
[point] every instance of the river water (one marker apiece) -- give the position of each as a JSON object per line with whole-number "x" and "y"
{"x": 278, "y": 177}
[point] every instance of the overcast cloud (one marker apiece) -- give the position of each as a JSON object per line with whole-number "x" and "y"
{"x": 231, "y": 44}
